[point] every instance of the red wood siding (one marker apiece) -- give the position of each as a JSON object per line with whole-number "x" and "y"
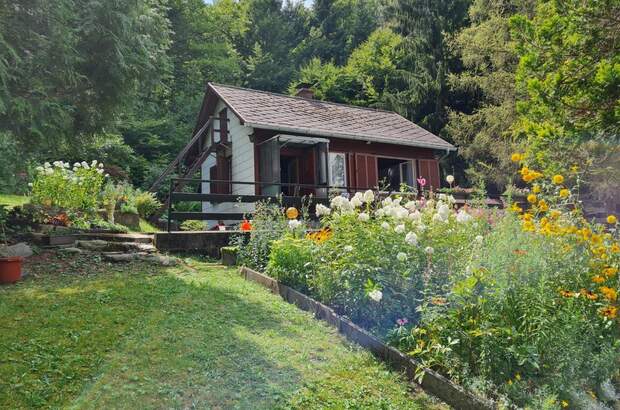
{"x": 365, "y": 171}
{"x": 429, "y": 169}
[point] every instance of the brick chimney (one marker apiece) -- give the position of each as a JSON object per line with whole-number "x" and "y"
{"x": 304, "y": 91}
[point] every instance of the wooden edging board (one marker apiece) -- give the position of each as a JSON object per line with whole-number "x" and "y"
{"x": 432, "y": 382}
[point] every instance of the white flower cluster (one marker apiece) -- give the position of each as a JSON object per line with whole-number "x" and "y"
{"x": 67, "y": 172}
{"x": 344, "y": 205}
{"x": 376, "y": 295}
{"x": 322, "y": 210}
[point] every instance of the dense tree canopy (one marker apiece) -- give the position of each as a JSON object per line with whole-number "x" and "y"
{"x": 122, "y": 80}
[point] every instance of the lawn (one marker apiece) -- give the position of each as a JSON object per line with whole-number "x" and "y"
{"x": 78, "y": 332}
{"x": 13, "y": 200}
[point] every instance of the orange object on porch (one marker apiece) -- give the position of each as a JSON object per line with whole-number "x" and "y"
{"x": 246, "y": 225}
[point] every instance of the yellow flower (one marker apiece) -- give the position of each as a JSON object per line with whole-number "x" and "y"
{"x": 531, "y": 198}
{"x": 611, "y": 219}
{"x": 542, "y": 205}
{"x": 536, "y": 189}
{"x": 528, "y": 177}
{"x": 558, "y": 179}
{"x": 610, "y": 271}
{"x": 598, "y": 279}
{"x": 555, "y": 214}
{"x": 610, "y": 311}
{"x": 564, "y": 193}
{"x": 518, "y": 376}
{"x": 516, "y": 157}
{"x": 615, "y": 248}
{"x": 574, "y": 169}
{"x": 529, "y": 226}
{"x": 564, "y": 403}
{"x": 609, "y": 293}
{"x": 524, "y": 170}
{"x": 516, "y": 208}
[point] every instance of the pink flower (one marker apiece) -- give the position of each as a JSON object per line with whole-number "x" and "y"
{"x": 402, "y": 322}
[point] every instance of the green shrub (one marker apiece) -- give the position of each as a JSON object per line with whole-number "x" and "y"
{"x": 193, "y": 225}
{"x": 129, "y": 209}
{"x": 146, "y": 204}
{"x": 268, "y": 225}
{"x": 292, "y": 261}
{"x": 73, "y": 189}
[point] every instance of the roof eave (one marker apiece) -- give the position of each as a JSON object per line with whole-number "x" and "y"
{"x": 444, "y": 147}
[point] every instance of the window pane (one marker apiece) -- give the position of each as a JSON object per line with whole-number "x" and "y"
{"x": 337, "y": 169}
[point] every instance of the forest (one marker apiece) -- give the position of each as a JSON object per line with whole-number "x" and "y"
{"x": 121, "y": 81}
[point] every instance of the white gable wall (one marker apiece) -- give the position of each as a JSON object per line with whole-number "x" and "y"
{"x": 242, "y": 165}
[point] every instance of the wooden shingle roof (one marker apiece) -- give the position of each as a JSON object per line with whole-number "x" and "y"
{"x": 261, "y": 109}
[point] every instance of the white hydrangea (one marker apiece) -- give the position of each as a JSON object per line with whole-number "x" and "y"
{"x": 376, "y": 295}
{"x": 415, "y": 216}
{"x": 47, "y": 165}
{"x": 450, "y": 179}
{"x": 294, "y": 224}
{"x": 364, "y": 217}
{"x": 399, "y": 228}
{"x": 385, "y": 225}
{"x": 411, "y": 205}
{"x": 462, "y": 216}
{"x": 369, "y": 196}
{"x": 429, "y": 250}
{"x": 322, "y": 210}
{"x": 479, "y": 238}
{"x": 411, "y": 238}
{"x": 421, "y": 227}
{"x": 387, "y": 201}
{"x": 401, "y": 256}
{"x": 40, "y": 169}
{"x": 348, "y": 248}
{"x": 356, "y": 201}
{"x": 77, "y": 165}
{"x": 380, "y": 212}
{"x": 49, "y": 171}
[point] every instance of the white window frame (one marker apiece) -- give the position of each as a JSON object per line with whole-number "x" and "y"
{"x": 331, "y": 156}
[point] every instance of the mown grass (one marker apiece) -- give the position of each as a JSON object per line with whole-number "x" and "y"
{"x": 78, "y": 332}
{"x": 13, "y": 200}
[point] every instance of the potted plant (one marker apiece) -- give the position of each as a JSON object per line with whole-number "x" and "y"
{"x": 10, "y": 265}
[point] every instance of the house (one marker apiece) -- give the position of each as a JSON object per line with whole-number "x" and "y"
{"x": 262, "y": 143}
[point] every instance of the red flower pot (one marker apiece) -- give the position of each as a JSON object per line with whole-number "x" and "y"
{"x": 10, "y": 269}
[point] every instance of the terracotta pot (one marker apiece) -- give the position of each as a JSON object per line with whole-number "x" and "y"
{"x": 10, "y": 269}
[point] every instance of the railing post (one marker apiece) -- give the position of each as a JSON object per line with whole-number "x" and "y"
{"x": 170, "y": 202}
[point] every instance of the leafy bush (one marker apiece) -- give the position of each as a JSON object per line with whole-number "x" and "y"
{"x": 268, "y": 224}
{"x": 193, "y": 225}
{"x": 74, "y": 189}
{"x": 292, "y": 261}
{"x": 146, "y": 204}
{"x": 519, "y": 305}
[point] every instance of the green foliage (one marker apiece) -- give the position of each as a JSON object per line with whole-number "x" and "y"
{"x": 569, "y": 70}
{"x": 71, "y": 189}
{"x": 291, "y": 261}
{"x": 524, "y": 311}
{"x": 268, "y": 225}
{"x": 83, "y": 63}
{"x": 192, "y": 225}
{"x": 490, "y": 59}
{"x": 147, "y": 204}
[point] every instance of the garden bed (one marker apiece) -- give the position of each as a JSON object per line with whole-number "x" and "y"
{"x": 430, "y": 381}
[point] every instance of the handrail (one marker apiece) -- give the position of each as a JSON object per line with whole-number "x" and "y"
{"x": 179, "y": 157}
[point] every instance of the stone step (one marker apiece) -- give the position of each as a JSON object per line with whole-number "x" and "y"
{"x": 98, "y": 245}
{"x": 119, "y": 237}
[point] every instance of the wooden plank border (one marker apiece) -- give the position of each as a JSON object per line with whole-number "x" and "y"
{"x": 432, "y": 382}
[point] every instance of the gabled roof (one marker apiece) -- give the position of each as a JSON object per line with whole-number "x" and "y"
{"x": 279, "y": 112}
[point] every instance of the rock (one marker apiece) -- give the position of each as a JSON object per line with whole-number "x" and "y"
{"x": 20, "y": 249}
{"x": 70, "y": 251}
{"x": 160, "y": 260}
{"x": 95, "y": 245}
{"x": 119, "y": 257}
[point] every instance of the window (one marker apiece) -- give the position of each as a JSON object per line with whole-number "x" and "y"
{"x": 337, "y": 169}
{"x": 393, "y": 172}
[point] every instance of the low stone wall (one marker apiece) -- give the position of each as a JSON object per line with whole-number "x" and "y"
{"x": 432, "y": 382}
{"x": 207, "y": 242}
